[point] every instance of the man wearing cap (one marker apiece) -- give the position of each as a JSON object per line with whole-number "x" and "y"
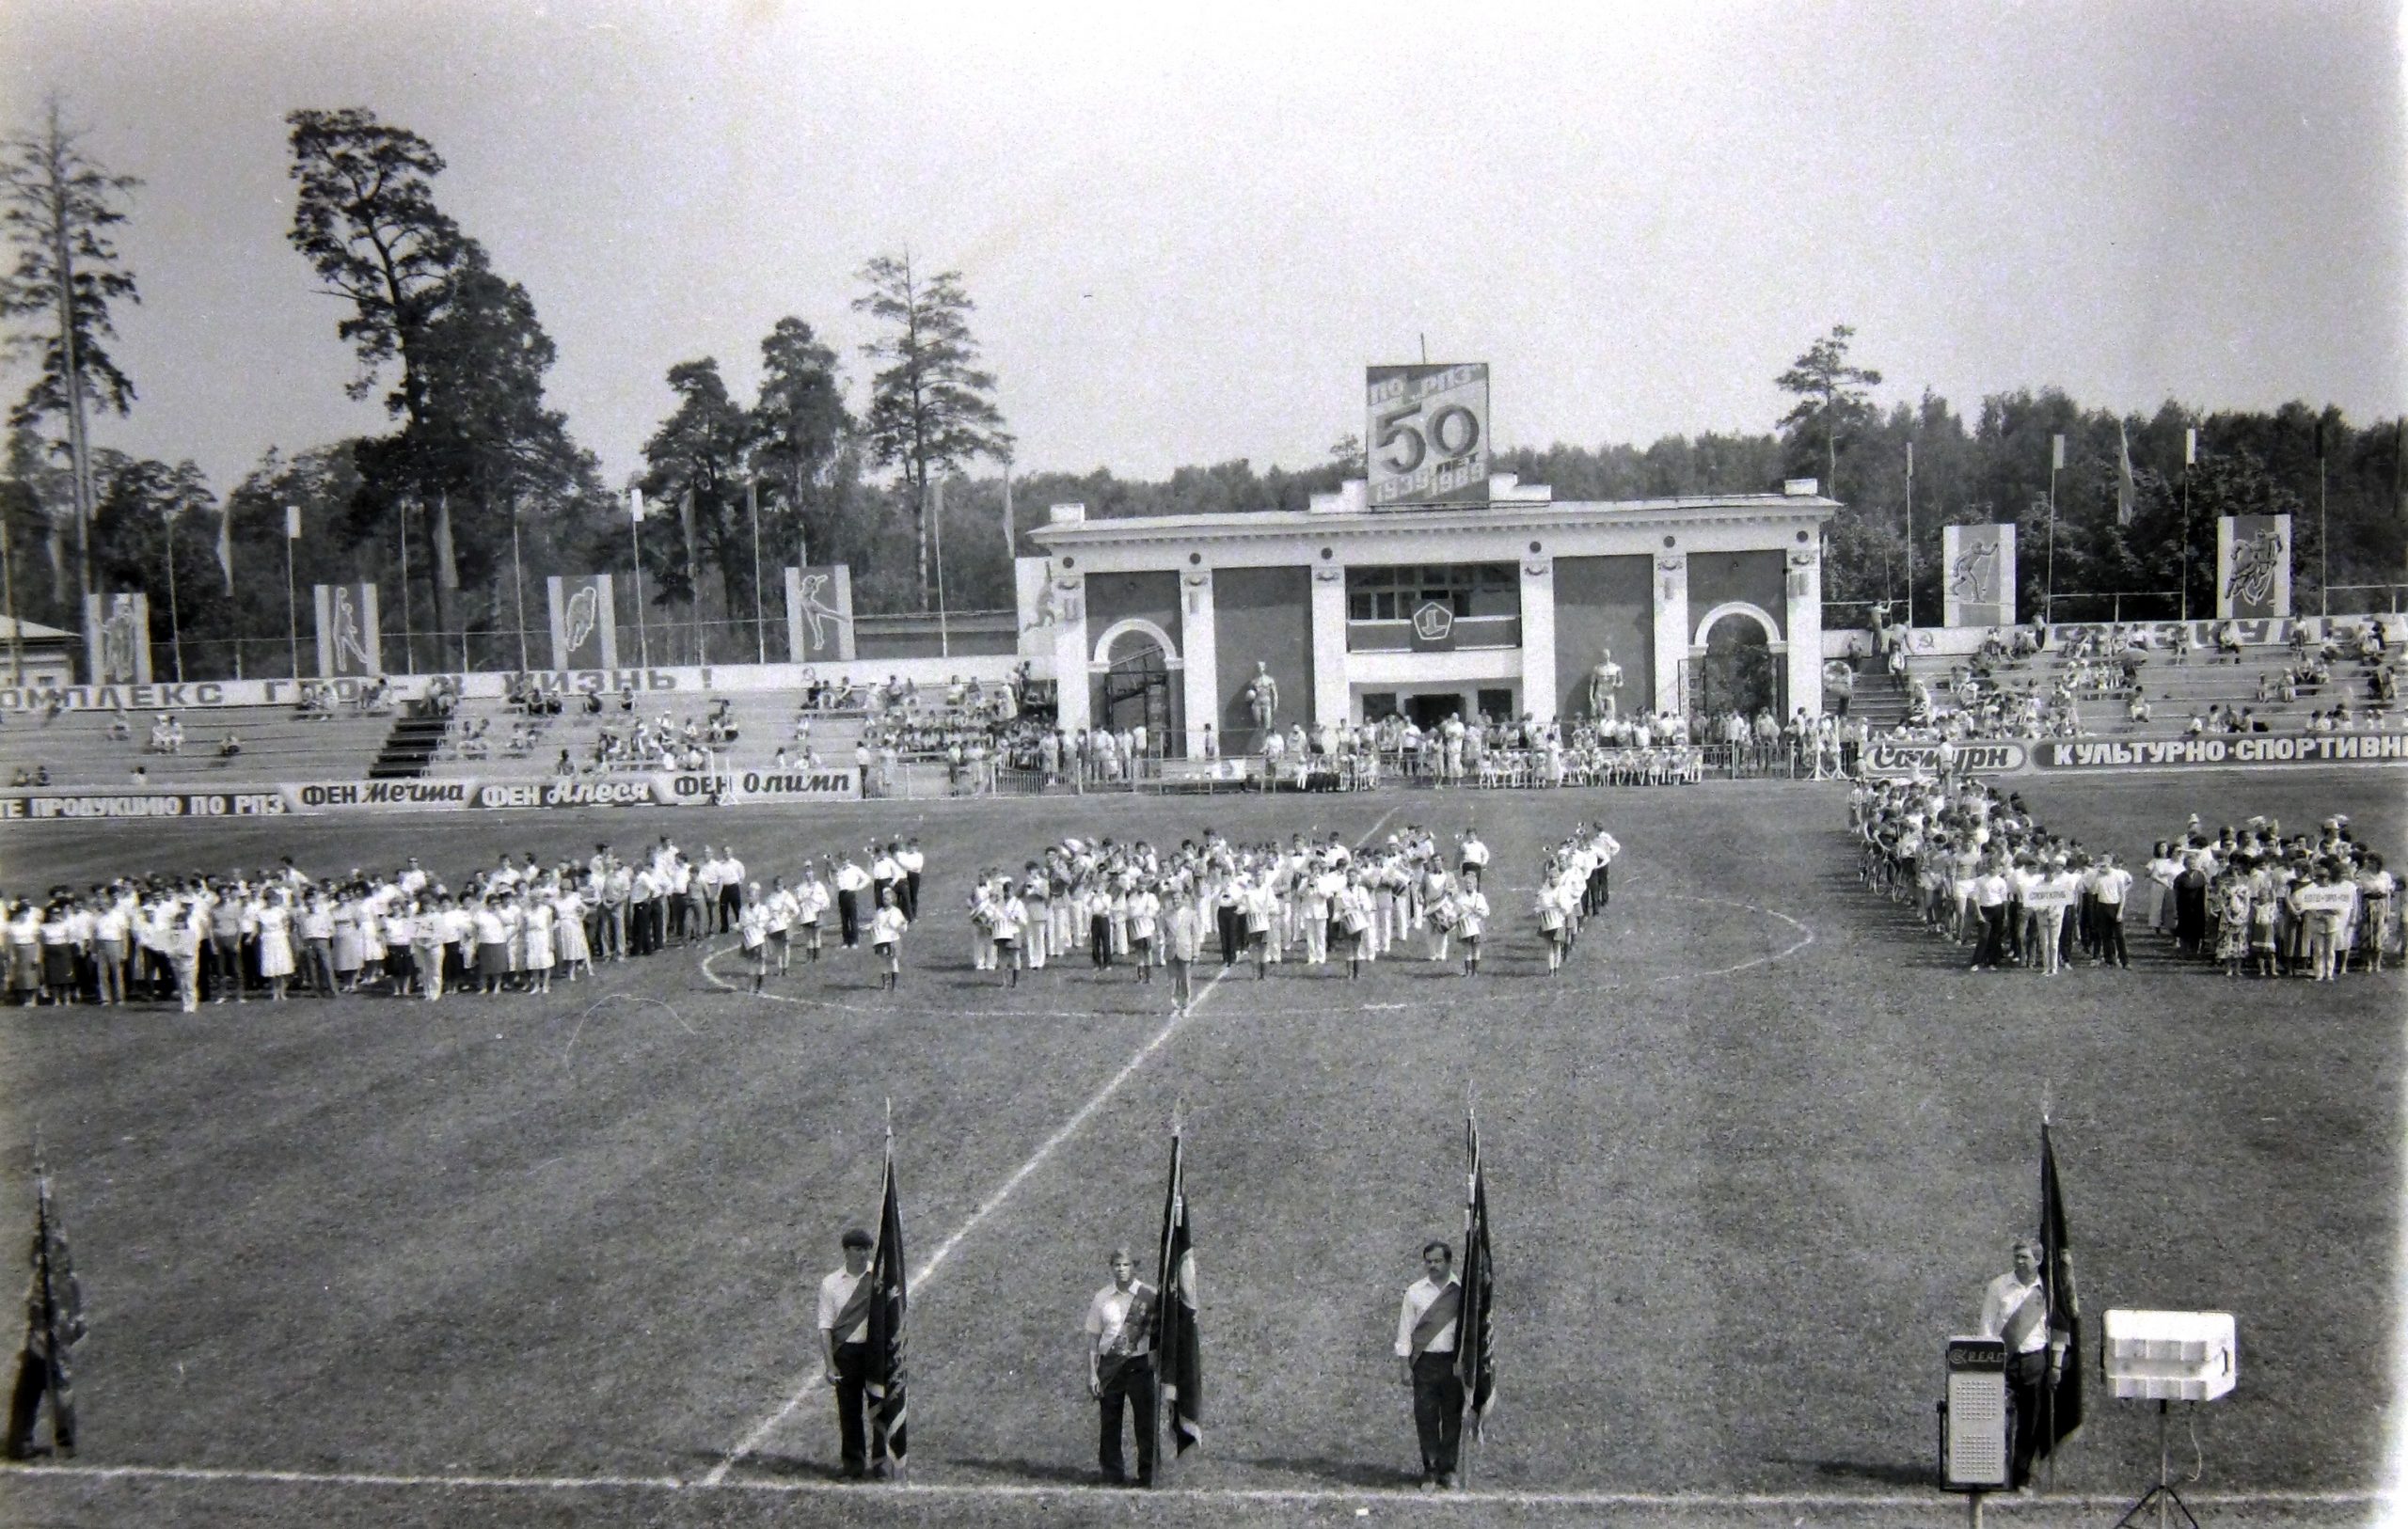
{"x": 844, "y": 1343}
{"x": 1425, "y": 1342}
{"x": 2016, "y": 1308}
{"x": 1120, "y": 1366}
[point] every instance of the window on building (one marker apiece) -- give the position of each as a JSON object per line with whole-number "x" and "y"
{"x": 1378, "y": 705}
{"x": 1394, "y": 594}
{"x": 1497, "y": 704}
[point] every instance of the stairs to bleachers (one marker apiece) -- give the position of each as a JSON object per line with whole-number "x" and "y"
{"x": 407, "y": 749}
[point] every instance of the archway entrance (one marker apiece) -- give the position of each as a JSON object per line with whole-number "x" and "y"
{"x": 1136, "y": 689}
{"x": 1738, "y": 670}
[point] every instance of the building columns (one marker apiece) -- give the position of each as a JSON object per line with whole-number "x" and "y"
{"x": 1804, "y": 623}
{"x": 1070, "y": 683}
{"x": 1538, "y": 638}
{"x": 1333, "y": 701}
{"x": 1199, "y": 644}
{"x": 1672, "y": 591}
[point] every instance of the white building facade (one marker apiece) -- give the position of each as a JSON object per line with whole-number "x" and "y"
{"x": 1508, "y": 610}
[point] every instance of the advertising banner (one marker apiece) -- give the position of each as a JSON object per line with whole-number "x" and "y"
{"x": 1426, "y": 435}
{"x": 818, "y": 785}
{"x": 819, "y": 614}
{"x": 585, "y": 622}
{"x": 349, "y": 646}
{"x": 1977, "y": 573}
{"x": 2253, "y": 566}
{"x": 1999, "y": 758}
{"x": 57, "y": 806}
{"x": 2248, "y": 749}
{"x": 117, "y": 639}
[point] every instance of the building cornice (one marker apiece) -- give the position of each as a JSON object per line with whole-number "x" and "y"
{"x": 1556, "y": 518}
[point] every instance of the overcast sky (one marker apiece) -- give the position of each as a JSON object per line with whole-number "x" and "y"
{"x": 1187, "y": 237}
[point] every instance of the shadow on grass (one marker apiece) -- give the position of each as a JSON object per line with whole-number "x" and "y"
{"x": 1887, "y": 1473}
{"x": 1335, "y": 1473}
{"x": 1045, "y": 1473}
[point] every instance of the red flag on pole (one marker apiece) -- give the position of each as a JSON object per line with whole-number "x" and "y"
{"x": 2126, "y": 495}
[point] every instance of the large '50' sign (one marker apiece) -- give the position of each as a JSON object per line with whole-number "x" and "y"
{"x": 1428, "y": 429}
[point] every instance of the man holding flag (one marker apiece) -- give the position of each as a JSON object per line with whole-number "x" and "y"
{"x": 860, "y": 1336}
{"x": 1121, "y": 1367}
{"x": 1426, "y": 1331}
{"x": 844, "y": 1341}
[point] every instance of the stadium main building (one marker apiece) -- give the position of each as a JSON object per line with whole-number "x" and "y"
{"x": 1357, "y": 611}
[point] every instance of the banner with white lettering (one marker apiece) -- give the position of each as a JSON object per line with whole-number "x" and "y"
{"x": 1992, "y": 758}
{"x": 1977, "y": 575}
{"x": 117, "y": 639}
{"x": 819, "y": 614}
{"x": 2253, "y": 566}
{"x": 732, "y": 785}
{"x": 349, "y": 646}
{"x": 1426, "y": 435}
{"x": 585, "y": 622}
{"x": 2243, "y": 748}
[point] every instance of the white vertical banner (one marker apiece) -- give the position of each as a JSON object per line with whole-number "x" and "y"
{"x": 1977, "y": 575}
{"x": 117, "y": 637}
{"x": 819, "y": 614}
{"x": 348, "y": 642}
{"x": 2253, "y": 567}
{"x": 584, "y": 622}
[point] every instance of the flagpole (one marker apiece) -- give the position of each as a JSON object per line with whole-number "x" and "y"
{"x": 2190, "y": 455}
{"x": 760, "y": 631}
{"x": 2323, "y": 551}
{"x": 292, "y": 607}
{"x": 175, "y": 620}
{"x": 409, "y": 654}
{"x": 1911, "y": 536}
{"x": 2049, "y": 582}
{"x": 635, "y": 551}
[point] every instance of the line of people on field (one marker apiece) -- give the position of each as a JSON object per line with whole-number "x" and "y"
{"x": 1981, "y": 871}
{"x": 1264, "y": 903}
{"x": 407, "y": 933}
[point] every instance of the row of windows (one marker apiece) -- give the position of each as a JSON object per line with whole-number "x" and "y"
{"x": 1394, "y": 594}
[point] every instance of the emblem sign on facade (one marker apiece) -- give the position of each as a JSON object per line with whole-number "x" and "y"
{"x": 1433, "y": 626}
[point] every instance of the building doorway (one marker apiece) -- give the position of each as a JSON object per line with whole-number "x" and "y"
{"x": 1429, "y": 711}
{"x": 1137, "y": 691}
{"x": 1738, "y": 670}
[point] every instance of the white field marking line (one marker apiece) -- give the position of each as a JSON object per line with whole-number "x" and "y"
{"x": 987, "y": 1208}
{"x": 1806, "y": 933}
{"x": 470, "y": 1482}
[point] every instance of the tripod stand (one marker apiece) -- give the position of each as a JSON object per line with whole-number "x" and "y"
{"x": 2168, "y": 1500}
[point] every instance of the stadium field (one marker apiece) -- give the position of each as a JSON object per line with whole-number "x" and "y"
{"x": 1752, "y": 1157}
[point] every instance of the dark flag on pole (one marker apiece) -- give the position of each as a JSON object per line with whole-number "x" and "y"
{"x": 890, "y": 1435}
{"x": 1475, "y": 1351}
{"x": 2062, "y": 1410}
{"x": 54, "y": 1325}
{"x": 1178, "y": 1364}
{"x": 2127, "y": 492}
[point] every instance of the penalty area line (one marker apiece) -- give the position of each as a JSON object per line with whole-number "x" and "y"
{"x": 469, "y": 1482}
{"x": 1096, "y": 1101}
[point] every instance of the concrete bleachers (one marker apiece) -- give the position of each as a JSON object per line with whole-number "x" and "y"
{"x": 2175, "y": 691}
{"x": 278, "y": 744}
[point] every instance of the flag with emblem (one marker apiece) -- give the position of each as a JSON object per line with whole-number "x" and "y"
{"x": 2063, "y": 1413}
{"x": 1475, "y": 1348}
{"x": 890, "y": 1433}
{"x": 1179, "y": 1365}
